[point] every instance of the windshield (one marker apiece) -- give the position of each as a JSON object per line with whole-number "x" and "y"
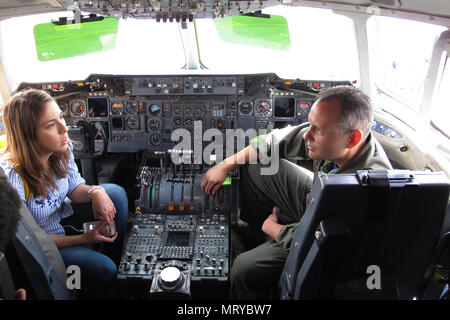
{"x": 142, "y": 47}
{"x": 317, "y": 51}
{"x": 322, "y": 47}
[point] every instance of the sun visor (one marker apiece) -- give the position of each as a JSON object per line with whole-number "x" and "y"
{"x": 58, "y": 41}
{"x": 266, "y": 31}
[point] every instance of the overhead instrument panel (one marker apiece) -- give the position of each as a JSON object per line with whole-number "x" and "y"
{"x": 166, "y": 10}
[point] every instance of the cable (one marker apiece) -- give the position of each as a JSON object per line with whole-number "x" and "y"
{"x": 81, "y": 231}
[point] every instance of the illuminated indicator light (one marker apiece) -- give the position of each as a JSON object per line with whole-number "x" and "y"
{"x": 191, "y": 207}
{"x": 315, "y": 84}
{"x": 181, "y": 206}
{"x": 304, "y": 105}
{"x": 288, "y": 83}
{"x": 54, "y": 86}
{"x": 170, "y": 206}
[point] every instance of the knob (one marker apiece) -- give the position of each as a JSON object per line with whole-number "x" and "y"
{"x": 147, "y": 267}
{"x": 126, "y": 266}
{"x": 135, "y": 229}
{"x": 170, "y": 277}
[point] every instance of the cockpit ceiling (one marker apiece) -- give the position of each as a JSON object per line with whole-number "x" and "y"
{"x": 179, "y": 10}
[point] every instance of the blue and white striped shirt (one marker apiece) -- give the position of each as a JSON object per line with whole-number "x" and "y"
{"x": 48, "y": 212}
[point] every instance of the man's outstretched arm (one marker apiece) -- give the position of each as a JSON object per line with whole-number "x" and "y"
{"x": 215, "y": 176}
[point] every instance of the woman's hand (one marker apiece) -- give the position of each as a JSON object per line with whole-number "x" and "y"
{"x": 102, "y": 205}
{"x": 213, "y": 178}
{"x": 94, "y": 235}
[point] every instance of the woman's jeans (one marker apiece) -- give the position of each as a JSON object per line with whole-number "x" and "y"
{"x": 98, "y": 270}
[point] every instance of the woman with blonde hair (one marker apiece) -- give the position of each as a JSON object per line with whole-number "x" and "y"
{"x": 39, "y": 163}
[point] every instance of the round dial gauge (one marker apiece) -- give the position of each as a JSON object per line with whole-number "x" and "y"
{"x": 199, "y": 110}
{"x": 154, "y": 109}
{"x": 303, "y": 109}
{"x": 177, "y": 110}
{"x": 132, "y": 107}
{"x": 155, "y": 139}
{"x": 188, "y": 110}
{"x": 132, "y": 123}
{"x": 188, "y": 121}
{"x": 263, "y": 108}
{"x": 78, "y": 108}
{"x": 178, "y": 121}
{"x": 245, "y": 107}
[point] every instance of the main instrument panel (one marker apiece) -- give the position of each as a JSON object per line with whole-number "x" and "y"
{"x": 140, "y": 113}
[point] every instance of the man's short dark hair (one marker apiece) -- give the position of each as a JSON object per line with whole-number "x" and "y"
{"x": 9, "y": 211}
{"x": 356, "y": 110}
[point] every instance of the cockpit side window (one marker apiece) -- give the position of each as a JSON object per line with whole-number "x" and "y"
{"x": 440, "y": 106}
{"x": 401, "y": 53}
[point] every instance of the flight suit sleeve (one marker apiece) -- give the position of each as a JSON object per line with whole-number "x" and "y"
{"x": 288, "y": 142}
{"x": 286, "y": 234}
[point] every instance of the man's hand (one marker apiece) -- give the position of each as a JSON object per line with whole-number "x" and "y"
{"x": 271, "y": 227}
{"x": 102, "y": 205}
{"x": 213, "y": 178}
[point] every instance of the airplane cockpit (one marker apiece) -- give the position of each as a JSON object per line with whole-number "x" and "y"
{"x": 154, "y": 93}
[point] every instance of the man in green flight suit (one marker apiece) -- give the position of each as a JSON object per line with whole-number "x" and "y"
{"x": 337, "y": 139}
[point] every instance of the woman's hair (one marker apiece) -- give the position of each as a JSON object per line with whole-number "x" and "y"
{"x": 21, "y": 114}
